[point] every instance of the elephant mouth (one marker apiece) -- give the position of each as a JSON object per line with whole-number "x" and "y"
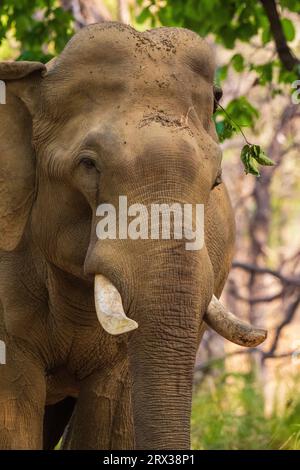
{"x": 111, "y": 315}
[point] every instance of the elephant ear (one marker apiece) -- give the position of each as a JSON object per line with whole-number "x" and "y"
{"x": 20, "y": 81}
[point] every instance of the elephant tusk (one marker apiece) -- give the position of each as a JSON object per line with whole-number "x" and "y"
{"x": 232, "y": 328}
{"x": 109, "y": 308}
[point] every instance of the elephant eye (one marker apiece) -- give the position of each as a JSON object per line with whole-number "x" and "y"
{"x": 218, "y": 179}
{"x": 218, "y": 93}
{"x": 88, "y": 163}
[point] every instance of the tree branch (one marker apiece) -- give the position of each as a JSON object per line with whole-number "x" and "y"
{"x": 257, "y": 300}
{"x": 288, "y": 318}
{"x": 206, "y": 366}
{"x": 287, "y": 57}
{"x": 295, "y": 281}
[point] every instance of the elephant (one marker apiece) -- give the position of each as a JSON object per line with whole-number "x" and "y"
{"x": 101, "y": 335}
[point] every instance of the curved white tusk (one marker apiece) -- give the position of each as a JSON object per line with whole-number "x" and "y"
{"x": 109, "y": 308}
{"x": 232, "y": 328}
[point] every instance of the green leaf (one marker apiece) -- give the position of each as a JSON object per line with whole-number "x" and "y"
{"x": 245, "y": 154}
{"x": 288, "y": 29}
{"x": 224, "y": 129}
{"x": 227, "y": 36}
{"x": 221, "y": 73}
{"x": 238, "y": 62}
{"x": 252, "y": 165}
{"x": 292, "y": 5}
{"x": 264, "y": 71}
{"x": 266, "y": 35}
{"x": 242, "y": 112}
{"x": 143, "y": 16}
{"x": 256, "y": 150}
{"x": 286, "y": 76}
{"x": 262, "y": 158}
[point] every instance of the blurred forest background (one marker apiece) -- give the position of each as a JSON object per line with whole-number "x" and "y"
{"x": 244, "y": 399}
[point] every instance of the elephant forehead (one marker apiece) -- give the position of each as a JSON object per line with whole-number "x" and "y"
{"x": 115, "y": 56}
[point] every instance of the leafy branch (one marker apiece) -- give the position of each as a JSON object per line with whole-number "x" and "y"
{"x": 252, "y": 155}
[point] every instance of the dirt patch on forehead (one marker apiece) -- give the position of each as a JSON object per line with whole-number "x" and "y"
{"x": 166, "y": 120}
{"x": 155, "y": 42}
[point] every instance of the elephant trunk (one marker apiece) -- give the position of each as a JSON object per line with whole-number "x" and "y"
{"x": 162, "y": 386}
{"x": 162, "y": 354}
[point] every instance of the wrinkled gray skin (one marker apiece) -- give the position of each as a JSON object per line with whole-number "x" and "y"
{"x": 118, "y": 113}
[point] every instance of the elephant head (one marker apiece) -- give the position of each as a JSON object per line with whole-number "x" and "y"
{"x": 126, "y": 113}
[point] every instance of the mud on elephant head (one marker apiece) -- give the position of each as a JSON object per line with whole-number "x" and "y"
{"x": 125, "y": 113}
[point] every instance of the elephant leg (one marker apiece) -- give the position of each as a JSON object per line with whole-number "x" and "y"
{"x": 102, "y": 418}
{"x": 22, "y": 402}
{"x": 56, "y": 419}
